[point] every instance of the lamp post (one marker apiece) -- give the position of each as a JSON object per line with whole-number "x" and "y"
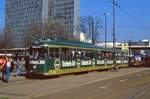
{"x": 114, "y": 34}
{"x": 105, "y": 15}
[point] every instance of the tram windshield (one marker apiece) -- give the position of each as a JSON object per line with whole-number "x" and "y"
{"x": 37, "y": 53}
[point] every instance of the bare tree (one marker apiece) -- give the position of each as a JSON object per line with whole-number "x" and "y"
{"x": 32, "y": 33}
{"x": 91, "y": 26}
{"x": 49, "y": 30}
{"x": 54, "y": 29}
{"x": 98, "y": 26}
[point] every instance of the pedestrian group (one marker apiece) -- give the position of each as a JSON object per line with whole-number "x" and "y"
{"x": 6, "y": 69}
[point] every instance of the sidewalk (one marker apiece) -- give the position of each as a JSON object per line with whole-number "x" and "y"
{"x": 13, "y": 80}
{"x": 51, "y": 86}
{"x": 13, "y": 77}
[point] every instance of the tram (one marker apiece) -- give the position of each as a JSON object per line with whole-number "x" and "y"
{"x": 58, "y": 57}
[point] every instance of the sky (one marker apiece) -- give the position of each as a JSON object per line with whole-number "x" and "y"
{"x": 133, "y": 14}
{"x": 132, "y": 17}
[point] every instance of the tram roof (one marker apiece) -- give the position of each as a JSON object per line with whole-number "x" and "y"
{"x": 71, "y": 44}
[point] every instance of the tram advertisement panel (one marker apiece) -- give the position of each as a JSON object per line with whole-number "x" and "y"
{"x": 67, "y": 64}
{"x": 100, "y": 62}
{"x": 86, "y": 62}
{"x": 109, "y": 62}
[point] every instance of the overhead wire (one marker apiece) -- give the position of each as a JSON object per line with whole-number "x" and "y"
{"x": 142, "y": 26}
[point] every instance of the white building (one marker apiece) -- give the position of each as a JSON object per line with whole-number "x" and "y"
{"x": 109, "y": 44}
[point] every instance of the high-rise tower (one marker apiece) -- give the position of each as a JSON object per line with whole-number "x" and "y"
{"x": 20, "y": 14}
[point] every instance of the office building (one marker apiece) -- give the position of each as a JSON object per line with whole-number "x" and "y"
{"x": 20, "y": 14}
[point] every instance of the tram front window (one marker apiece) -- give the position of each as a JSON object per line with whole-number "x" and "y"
{"x": 37, "y": 54}
{"x": 53, "y": 53}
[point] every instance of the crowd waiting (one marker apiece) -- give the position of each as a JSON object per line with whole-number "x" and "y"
{"x": 8, "y": 65}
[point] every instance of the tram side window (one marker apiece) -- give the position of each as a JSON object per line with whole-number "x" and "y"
{"x": 34, "y": 54}
{"x": 67, "y": 54}
{"x": 87, "y": 55}
{"x": 108, "y": 55}
{"x": 76, "y": 55}
{"x": 53, "y": 53}
{"x": 97, "y": 55}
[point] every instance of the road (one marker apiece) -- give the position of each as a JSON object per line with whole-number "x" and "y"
{"x": 133, "y": 86}
{"x": 127, "y": 83}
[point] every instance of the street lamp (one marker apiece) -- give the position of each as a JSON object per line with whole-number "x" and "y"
{"x": 105, "y": 15}
{"x": 114, "y": 34}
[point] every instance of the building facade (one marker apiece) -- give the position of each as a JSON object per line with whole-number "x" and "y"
{"x": 20, "y": 14}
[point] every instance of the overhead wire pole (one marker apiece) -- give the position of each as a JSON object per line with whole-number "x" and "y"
{"x": 105, "y": 15}
{"x": 114, "y": 35}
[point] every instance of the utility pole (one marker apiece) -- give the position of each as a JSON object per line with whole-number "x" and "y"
{"x": 129, "y": 63}
{"x": 105, "y": 30}
{"x": 93, "y": 42}
{"x": 105, "y": 15}
{"x": 114, "y": 38}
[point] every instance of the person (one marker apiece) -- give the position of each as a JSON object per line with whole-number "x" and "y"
{"x": 12, "y": 65}
{"x": 22, "y": 66}
{"x": 18, "y": 67}
{"x": 115, "y": 68}
{"x": 3, "y": 69}
{"x": 8, "y": 69}
{"x": 27, "y": 65}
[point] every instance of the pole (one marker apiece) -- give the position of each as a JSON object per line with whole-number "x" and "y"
{"x": 105, "y": 15}
{"x": 129, "y": 62}
{"x": 114, "y": 39}
{"x": 105, "y": 30}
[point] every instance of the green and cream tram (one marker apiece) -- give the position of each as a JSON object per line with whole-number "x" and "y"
{"x": 57, "y": 57}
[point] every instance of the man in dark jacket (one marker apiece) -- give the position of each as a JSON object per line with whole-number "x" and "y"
{"x": 3, "y": 69}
